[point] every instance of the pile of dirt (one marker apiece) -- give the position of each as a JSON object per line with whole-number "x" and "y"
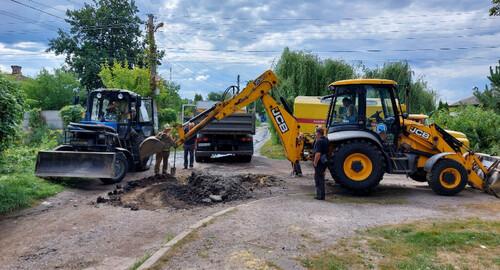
{"x": 199, "y": 188}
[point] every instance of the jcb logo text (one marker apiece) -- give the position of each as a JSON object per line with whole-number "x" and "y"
{"x": 420, "y": 133}
{"x": 280, "y": 120}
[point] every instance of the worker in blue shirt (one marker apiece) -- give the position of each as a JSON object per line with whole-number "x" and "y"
{"x": 320, "y": 162}
{"x": 189, "y": 146}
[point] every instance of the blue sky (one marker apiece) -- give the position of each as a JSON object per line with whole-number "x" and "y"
{"x": 450, "y": 43}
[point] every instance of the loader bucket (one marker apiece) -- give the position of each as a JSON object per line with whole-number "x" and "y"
{"x": 492, "y": 179}
{"x": 75, "y": 164}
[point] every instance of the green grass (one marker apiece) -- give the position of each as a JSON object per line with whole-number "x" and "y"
{"x": 457, "y": 244}
{"x": 140, "y": 261}
{"x": 19, "y": 188}
{"x": 272, "y": 151}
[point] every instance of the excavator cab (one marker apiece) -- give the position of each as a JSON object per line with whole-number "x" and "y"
{"x": 368, "y": 106}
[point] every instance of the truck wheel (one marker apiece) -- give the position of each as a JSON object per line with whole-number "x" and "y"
{"x": 358, "y": 165}
{"x": 199, "y": 159}
{"x": 419, "y": 176}
{"x": 447, "y": 177}
{"x": 121, "y": 169}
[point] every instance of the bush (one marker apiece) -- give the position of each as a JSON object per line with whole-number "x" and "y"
{"x": 12, "y": 104}
{"x": 71, "y": 113}
{"x": 481, "y": 126}
{"x": 52, "y": 91}
{"x": 38, "y": 128}
{"x": 167, "y": 115}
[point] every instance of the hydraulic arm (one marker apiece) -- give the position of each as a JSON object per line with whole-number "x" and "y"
{"x": 283, "y": 121}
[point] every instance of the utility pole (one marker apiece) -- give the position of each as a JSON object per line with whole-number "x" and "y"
{"x": 152, "y": 61}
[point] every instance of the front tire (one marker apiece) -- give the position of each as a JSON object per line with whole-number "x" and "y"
{"x": 447, "y": 177}
{"x": 358, "y": 165}
{"x": 121, "y": 169}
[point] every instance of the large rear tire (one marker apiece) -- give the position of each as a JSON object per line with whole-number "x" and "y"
{"x": 121, "y": 169}
{"x": 447, "y": 177}
{"x": 358, "y": 165}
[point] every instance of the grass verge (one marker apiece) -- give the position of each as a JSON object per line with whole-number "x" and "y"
{"x": 272, "y": 151}
{"x": 456, "y": 244}
{"x": 140, "y": 261}
{"x": 19, "y": 188}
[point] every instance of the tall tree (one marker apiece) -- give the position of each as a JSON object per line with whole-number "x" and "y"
{"x": 137, "y": 79}
{"x": 495, "y": 9}
{"x": 490, "y": 97}
{"x": 102, "y": 31}
{"x": 304, "y": 74}
{"x": 422, "y": 98}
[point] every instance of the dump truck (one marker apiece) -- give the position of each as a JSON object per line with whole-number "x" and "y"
{"x": 232, "y": 135}
{"x": 105, "y": 144}
{"x": 364, "y": 144}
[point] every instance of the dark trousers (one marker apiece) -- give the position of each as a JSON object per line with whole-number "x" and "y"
{"x": 188, "y": 150}
{"x": 319, "y": 181}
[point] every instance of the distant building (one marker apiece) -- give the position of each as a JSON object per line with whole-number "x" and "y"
{"x": 468, "y": 101}
{"x": 16, "y": 73}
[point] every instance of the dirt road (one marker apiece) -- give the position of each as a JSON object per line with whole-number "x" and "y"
{"x": 70, "y": 231}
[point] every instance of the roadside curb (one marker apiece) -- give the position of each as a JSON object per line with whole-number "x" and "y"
{"x": 166, "y": 247}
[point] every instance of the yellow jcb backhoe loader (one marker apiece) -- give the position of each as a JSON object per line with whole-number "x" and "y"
{"x": 364, "y": 146}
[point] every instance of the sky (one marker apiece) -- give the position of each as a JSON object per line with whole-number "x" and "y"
{"x": 449, "y": 43}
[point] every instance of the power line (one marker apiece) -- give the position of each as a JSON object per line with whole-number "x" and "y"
{"x": 335, "y": 51}
{"x": 37, "y": 9}
{"x": 47, "y": 6}
{"x": 24, "y": 19}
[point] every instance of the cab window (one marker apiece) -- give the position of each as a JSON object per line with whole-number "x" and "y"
{"x": 345, "y": 107}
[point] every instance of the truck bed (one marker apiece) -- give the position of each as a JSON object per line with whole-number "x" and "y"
{"x": 237, "y": 123}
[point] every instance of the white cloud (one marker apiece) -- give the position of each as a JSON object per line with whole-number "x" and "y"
{"x": 202, "y": 77}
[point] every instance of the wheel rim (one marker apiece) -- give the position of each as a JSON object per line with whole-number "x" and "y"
{"x": 450, "y": 178}
{"x": 358, "y": 166}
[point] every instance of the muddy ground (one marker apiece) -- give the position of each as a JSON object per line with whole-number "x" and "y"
{"x": 186, "y": 192}
{"x": 283, "y": 222}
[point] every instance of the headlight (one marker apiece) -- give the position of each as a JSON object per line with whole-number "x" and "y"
{"x": 99, "y": 95}
{"x": 120, "y": 96}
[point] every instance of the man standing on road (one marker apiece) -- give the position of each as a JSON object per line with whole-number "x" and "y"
{"x": 319, "y": 162}
{"x": 189, "y": 146}
{"x": 169, "y": 142}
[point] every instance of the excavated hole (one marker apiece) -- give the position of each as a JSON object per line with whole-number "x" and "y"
{"x": 199, "y": 189}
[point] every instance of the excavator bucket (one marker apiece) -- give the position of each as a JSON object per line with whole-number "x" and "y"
{"x": 75, "y": 164}
{"x": 492, "y": 178}
{"x": 150, "y": 146}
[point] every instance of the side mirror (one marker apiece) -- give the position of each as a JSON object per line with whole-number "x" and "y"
{"x": 405, "y": 115}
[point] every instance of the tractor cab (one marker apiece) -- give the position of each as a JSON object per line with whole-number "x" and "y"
{"x": 121, "y": 110}
{"x": 367, "y": 105}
